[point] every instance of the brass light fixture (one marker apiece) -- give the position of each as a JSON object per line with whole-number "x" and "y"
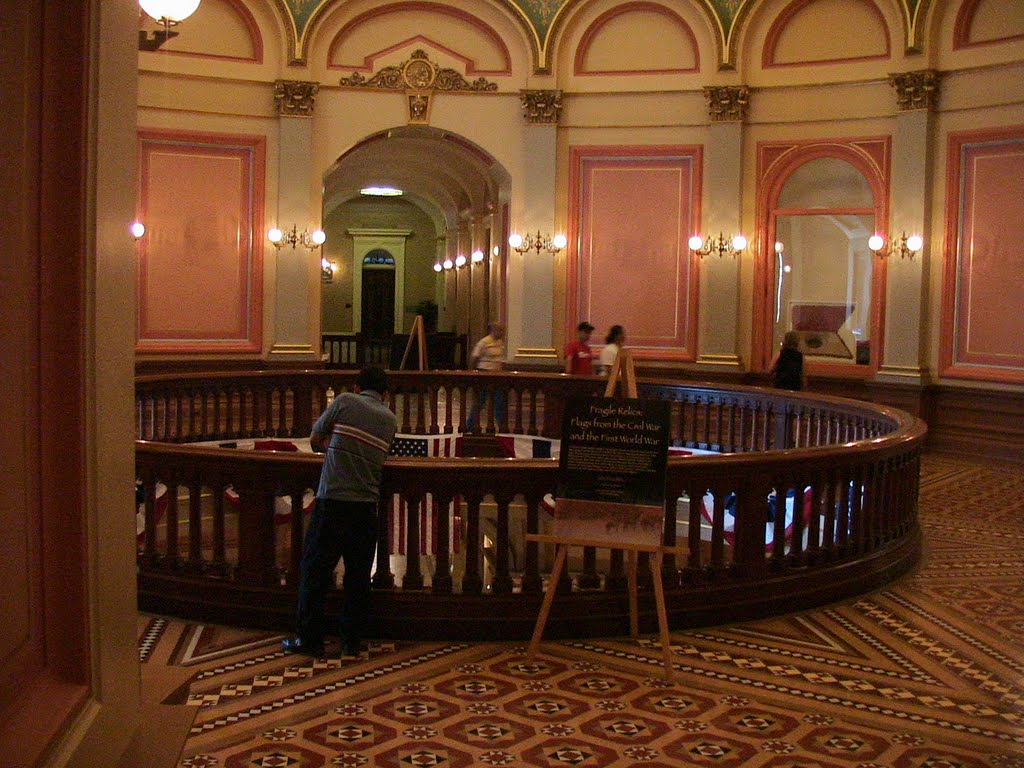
{"x": 905, "y": 246}
{"x": 537, "y": 242}
{"x": 293, "y": 237}
{"x": 719, "y": 245}
{"x": 166, "y": 13}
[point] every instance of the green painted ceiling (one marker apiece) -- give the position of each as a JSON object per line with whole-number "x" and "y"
{"x": 542, "y": 12}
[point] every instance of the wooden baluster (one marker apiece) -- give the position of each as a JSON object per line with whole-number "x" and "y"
{"x": 669, "y": 570}
{"x": 150, "y": 551}
{"x": 532, "y": 581}
{"x": 693, "y": 442}
{"x": 219, "y": 564}
{"x": 463, "y": 409}
{"x": 268, "y": 427}
{"x": 449, "y": 397}
{"x": 779, "y": 524}
{"x": 195, "y": 527}
{"x": 718, "y": 531}
{"x": 532, "y": 430}
{"x": 695, "y": 561}
{"x": 433, "y": 393}
{"x": 413, "y": 578}
{"x": 171, "y": 519}
{"x": 406, "y": 413}
{"x": 814, "y": 530}
{"x": 707, "y": 425}
{"x": 295, "y": 546}
{"x": 767, "y": 420}
{"x": 230, "y": 432}
{"x": 442, "y": 579}
{"x": 857, "y": 513}
{"x": 720, "y": 418}
{"x": 796, "y": 547}
{"x": 190, "y": 397}
{"x": 165, "y": 432}
{"x": 472, "y": 581}
{"x": 616, "y": 579}
{"x": 844, "y": 513}
{"x": 748, "y": 558}
{"x": 421, "y": 408}
{"x": 387, "y": 516}
{"x": 257, "y": 559}
{"x": 589, "y": 578}
{"x": 502, "y": 577}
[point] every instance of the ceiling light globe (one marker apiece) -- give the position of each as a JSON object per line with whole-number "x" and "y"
{"x": 438, "y": 267}
{"x": 460, "y": 260}
{"x": 172, "y": 10}
{"x": 477, "y": 256}
{"x": 448, "y": 264}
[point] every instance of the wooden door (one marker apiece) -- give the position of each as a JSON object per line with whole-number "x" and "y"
{"x": 378, "y": 303}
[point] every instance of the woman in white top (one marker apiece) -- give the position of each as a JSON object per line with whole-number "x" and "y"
{"x": 616, "y": 338}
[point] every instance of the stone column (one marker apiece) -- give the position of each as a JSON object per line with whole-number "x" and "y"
{"x": 295, "y": 328}
{"x": 722, "y": 214}
{"x": 905, "y": 354}
{"x": 531, "y": 275}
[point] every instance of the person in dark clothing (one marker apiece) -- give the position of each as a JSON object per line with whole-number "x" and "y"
{"x": 356, "y": 432}
{"x": 788, "y": 371}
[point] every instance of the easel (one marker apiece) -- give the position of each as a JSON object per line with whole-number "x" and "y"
{"x": 623, "y": 366}
{"x": 623, "y": 369}
{"x": 418, "y": 333}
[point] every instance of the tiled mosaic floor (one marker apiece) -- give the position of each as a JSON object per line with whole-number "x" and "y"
{"x": 928, "y": 673}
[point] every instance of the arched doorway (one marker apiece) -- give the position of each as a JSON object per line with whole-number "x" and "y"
{"x": 448, "y": 198}
{"x": 816, "y": 275}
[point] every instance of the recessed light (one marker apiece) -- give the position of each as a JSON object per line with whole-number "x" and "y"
{"x": 380, "y": 191}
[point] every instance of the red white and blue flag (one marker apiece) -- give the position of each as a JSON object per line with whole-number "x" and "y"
{"x": 429, "y": 511}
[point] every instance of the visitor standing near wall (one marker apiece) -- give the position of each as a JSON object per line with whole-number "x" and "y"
{"x": 356, "y": 431}
{"x": 579, "y": 359}
{"x": 612, "y": 344}
{"x": 788, "y": 370}
{"x": 489, "y": 355}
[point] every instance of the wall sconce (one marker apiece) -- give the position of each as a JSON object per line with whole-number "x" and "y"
{"x": 327, "y": 270}
{"x": 905, "y": 246}
{"x": 167, "y": 13}
{"x": 537, "y": 243}
{"x": 438, "y": 267}
{"x": 447, "y": 264}
{"x": 721, "y": 246}
{"x": 477, "y": 256}
{"x": 460, "y": 260}
{"x": 138, "y": 229}
{"x": 293, "y": 237}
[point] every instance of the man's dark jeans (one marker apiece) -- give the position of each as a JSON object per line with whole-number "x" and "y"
{"x": 338, "y": 529}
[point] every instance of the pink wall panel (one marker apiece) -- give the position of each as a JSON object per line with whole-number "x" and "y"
{"x": 988, "y": 325}
{"x": 634, "y": 215}
{"x": 199, "y": 262}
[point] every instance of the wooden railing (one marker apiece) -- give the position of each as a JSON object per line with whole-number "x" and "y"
{"x": 215, "y": 546}
{"x": 354, "y": 350}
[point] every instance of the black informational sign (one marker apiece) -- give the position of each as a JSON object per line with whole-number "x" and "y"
{"x": 614, "y": 455}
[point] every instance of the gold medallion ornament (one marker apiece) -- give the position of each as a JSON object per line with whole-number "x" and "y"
{"x": 418, "y": 73}
{"x": 541, "y": 107}
{"x": 916, "y": 90}
{"x": 295, "y": 98}
{"x": 727, "y": 103}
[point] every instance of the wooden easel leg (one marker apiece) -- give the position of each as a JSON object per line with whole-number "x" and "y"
{"x": 631, "y": 581}
{"x": 659, "y": 601}
{"x": 549, "y": 598}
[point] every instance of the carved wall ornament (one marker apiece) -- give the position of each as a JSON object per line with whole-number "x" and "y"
{"x": 419, "y": 107}
{"x": 541, "y": 107}
{"x": 916, "y": 90}
{"x": 295, "y": 98}
{"x": 727, "y": 103}
{"x": 418, "y": 73}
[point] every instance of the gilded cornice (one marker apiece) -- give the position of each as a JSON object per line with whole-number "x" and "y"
{"x": 542, "y": 20}
{"x": 418, "y": 73}
{"x": 295, "y": 98}
{"x": 916, "y": 90}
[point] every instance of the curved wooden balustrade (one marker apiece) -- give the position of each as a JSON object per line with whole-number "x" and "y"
{"x": 851, "y": 469}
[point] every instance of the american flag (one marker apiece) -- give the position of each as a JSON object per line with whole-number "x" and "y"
{"x": 528, "y": 446}
{"x": 429, "y": 512}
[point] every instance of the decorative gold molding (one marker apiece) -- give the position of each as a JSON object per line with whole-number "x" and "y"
{"x": 916, "y": 90}
{"x": 727, "y": 103}
{"x": 723, "y": 360}
{"x": 295, "y": 98}
{"x": 418, "y": 73}
{"x": 419, "y": 108}
{"x": 541, "y": 107}
{"x": 538, "y": 353}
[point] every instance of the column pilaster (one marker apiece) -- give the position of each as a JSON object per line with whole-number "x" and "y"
{"x": 295, "y": 328}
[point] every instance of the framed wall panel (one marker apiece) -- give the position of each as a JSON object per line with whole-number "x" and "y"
{"x": 201, "y": 199}
{"x": 633, "y": 210}
{"x": 982, "y": 326}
